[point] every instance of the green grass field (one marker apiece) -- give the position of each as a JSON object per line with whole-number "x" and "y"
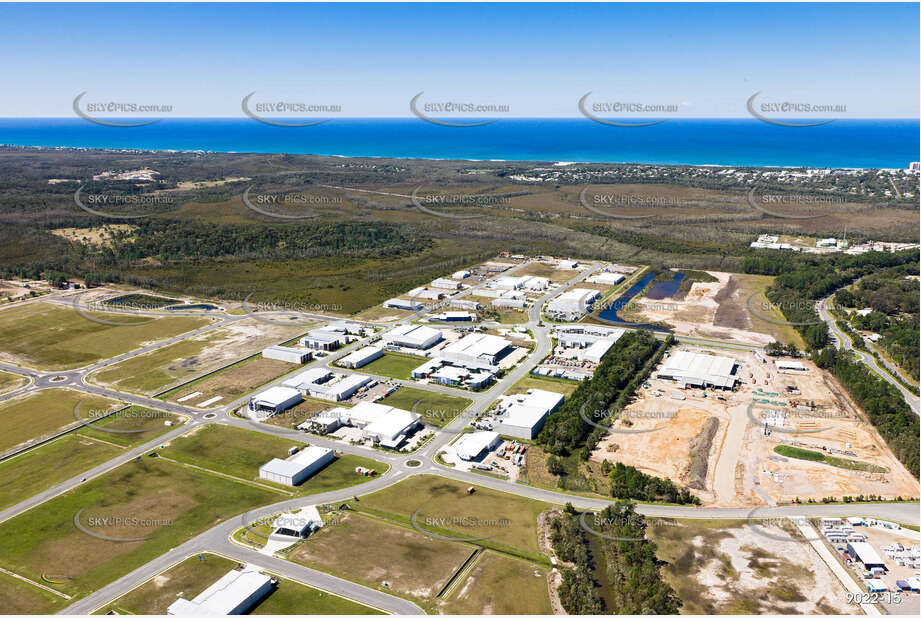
{"x": 414, "y": 565}
{"x": 554, "y": 385}
{"x": 819, "y": 457}
{"x": 487, "y": 588}
{"x": 19, "y": 597}
{"x": 171, "y": 503}
{"x": 435, "y": 408}
{"x": 36, "y": 470}
{"x": 233, "y": 381}
{"x": 11, "y": 381}
{"x": 240, "y": 452}
{"x": 43, "y": 412}
{"x": 394, "y": 365}
{"x": 132, "y": 426}
{"x": 440, "y": 498}
{"x": 50, "y": 337}
{"x": 193, "y": 575}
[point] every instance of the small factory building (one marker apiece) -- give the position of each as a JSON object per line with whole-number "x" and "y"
{"x": 472, "y": 445}
{"x": 522, "y": 416}
{"x": 287, "y": 354}
{"x": 274, "y": 400}
{"x": 360, "y": 358}
{"x": 865, "y": 554}
{"x": 298, "y": 468}
{"x": 233, "y": 594}
{"x": 406, "y": 305}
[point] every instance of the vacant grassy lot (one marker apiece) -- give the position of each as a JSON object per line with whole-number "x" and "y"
{"x": 11, "y": 381}
{"x": 435, "y": 408}
{"x": 240, "y": 453}
{"x": 19, "y": 597}
{"x": 192, "y": 576}
{"x": 46, "y": 336}
{"x": 579, "y": 477}
{"x": 505, "y": 519}
{"x": 735, "y": 312}
{"x": 41, "y": 413}
{"x": 132, "y": 426}
{"x": 413, "y": 564}
{"x": 232, "y": 382}
{"x": 819, "y": 457}
{"x": 488, "y": 588}
{"x": 394, "y": 365}
{"x": 36, "y": 470}
{"x": 171, "y": 503}
{"x": 181, "y": 361}
{"x": 554, "y": 385}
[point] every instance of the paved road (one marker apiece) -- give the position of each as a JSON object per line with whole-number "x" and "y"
{"x": 844, "y": 341}
{"x": 217, "y": 538}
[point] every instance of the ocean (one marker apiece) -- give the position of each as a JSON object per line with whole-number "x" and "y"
{"x": 732, "y": 142}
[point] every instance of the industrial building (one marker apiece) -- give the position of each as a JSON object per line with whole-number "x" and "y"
{"x": 567, "y": 264}
{"x": 322, "y": 383}
{"x": 477, "y": 348}
{"x": 446, "y": 284}
{"x": 360, "y": 358}
{"x": 454, "y": 316}
{"x": 287, "y": 354}
{"x": 426, "y": 293}
{"x": 323, "y": 339}
{"x": 588, "y": 342}
{"x": 298, "y": 468}
{"x": 864, "y": 553}
{"x": 461, "y": 274}
{"x": 413, "y": 336}
{"x": 472, "y": 445}
{"x": 523, "y": 415}
{"x": 606, "y": 278}
{"x": 298, "y": 524}
{"x": 509, "y": 282}
{"x": 406, "y": 305}
{"x": 791, "y": 365}
{"x": 460, "y": 303}
{"x": 700, "y": 370}
{"x": 233, "y": 594}
{"x": 451, "y": 373}
{"x": 384, "y": 425}
{"x": 509, "y": 303}
{"x": 273, "y": 400}
{"x": 573, "y": 303}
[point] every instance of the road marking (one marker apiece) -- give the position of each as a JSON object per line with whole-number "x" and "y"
{"x": 207, "y": 403}
{"x": 189, "y": 396}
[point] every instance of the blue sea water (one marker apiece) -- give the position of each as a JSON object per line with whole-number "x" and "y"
{"x": 735, "y": 142}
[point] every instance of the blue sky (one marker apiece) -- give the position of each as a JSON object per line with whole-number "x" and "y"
{"x": 538, "y": 59}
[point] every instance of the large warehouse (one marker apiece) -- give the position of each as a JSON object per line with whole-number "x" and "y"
{"x": 273, "y": 400}
{"x": 232, "y": 594}
{"x": 700, "y": 370}
{"x": 384, "y": 425}
{"x": 522, "y": 416}
{"x": 572, "y": 303}
{"x": 406, "y": 305}
{"x": 297, "y": 468}
{"x": 472, "y": 445}
{"x": 864, "y": 553}
{"x": 287, "y": 354}
{"x": 360, "y": 358}
{"x": 413, "y": 336}
{"x": 477, "y": 348}
{"x": 322, "y": 383}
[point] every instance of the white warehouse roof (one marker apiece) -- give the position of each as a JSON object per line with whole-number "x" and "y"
{"x": 414, "y": 335}
{"x": 699, "y": 369}
{"x": 276, "y": 395}
{"x": 470, "y": 445}
{"x": 292, "y": 466}
{"x": 865, "y": 553}
{"x": 476, "y": 347}
{"x": 233, "y": 593}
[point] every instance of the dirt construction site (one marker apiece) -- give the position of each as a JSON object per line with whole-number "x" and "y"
{"x": 721, "y": 443}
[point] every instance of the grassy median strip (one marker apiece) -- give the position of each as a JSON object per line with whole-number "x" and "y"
{"x": 819, "y": 457}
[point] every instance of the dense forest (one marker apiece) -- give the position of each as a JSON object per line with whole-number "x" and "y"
{"x": 630, "y": 572}
{"x": 628, "y": 483}
{"x": 615, "y": 380}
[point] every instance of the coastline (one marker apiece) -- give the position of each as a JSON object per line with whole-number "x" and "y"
{"x": 853, "y": 144}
